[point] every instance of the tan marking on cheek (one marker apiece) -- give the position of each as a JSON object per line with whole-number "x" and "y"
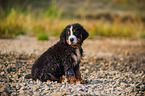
{"x": 74, "y": 31}
{"x": 68, "y": 32}
{"x": 79, "y": 40}
{"x": 67, "y": 41}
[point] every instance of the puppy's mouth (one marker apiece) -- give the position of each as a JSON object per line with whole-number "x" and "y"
{"x": 75, "y": 45}
{"x": 72, "y": 43}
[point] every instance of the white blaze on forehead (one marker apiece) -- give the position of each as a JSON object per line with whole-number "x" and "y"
{"x": 71, "y": 32}
{"x": 72, "y": 36}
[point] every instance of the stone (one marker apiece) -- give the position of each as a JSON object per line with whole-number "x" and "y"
{"x": 58, "y": 94}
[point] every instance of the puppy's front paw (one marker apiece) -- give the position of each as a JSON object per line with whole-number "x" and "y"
{"x": 62, "y": 79}
{"x": 84, "y": 81}
{"x": 72, "y": 79}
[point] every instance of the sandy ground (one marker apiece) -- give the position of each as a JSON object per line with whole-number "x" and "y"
{"x": 111, "y": 66}
{"x": 97, "y": 47}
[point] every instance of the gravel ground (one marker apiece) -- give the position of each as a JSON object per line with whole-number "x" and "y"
{"x": 112, "y": 67}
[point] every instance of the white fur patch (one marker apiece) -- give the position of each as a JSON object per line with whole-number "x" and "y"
{"x": 72, "y": 36}
{"x": 78, "y": 57}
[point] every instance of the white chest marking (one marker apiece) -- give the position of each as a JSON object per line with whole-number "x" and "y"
{"x": 77, "y": 57}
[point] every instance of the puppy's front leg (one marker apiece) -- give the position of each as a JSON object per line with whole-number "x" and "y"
{"x": 78, "y": 74}
{"x": 69, "y": 72}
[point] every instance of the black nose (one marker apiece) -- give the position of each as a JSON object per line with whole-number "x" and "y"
{"x": 71, "y": 39}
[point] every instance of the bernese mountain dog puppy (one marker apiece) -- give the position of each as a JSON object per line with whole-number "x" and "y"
{"x": 63, "y": 58}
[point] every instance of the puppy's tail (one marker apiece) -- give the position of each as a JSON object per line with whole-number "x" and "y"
{"x": 28, "y": 76}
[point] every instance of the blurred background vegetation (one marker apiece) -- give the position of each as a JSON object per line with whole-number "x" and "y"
{"x": 46, "y": 18}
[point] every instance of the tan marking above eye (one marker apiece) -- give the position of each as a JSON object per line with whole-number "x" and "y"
{"x": 74, "y": 30}
{"x": 68, "y": 32}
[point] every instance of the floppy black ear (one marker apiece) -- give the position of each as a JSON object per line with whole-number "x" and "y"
{"x": 84, "y": 33}
{"x": 63, "y": 36}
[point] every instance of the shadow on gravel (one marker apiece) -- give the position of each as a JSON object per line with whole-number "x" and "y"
{"x": 106, "y": 75}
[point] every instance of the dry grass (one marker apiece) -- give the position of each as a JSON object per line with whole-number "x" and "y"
{"x": 52, "y": 22}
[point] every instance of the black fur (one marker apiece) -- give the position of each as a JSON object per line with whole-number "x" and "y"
{"x": 57, "y": 60}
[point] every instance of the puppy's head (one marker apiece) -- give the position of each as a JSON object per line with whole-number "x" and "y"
{"x": 73, "y": 34}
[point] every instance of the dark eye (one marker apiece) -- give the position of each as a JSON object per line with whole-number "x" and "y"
{"x": 77, "y": 33}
